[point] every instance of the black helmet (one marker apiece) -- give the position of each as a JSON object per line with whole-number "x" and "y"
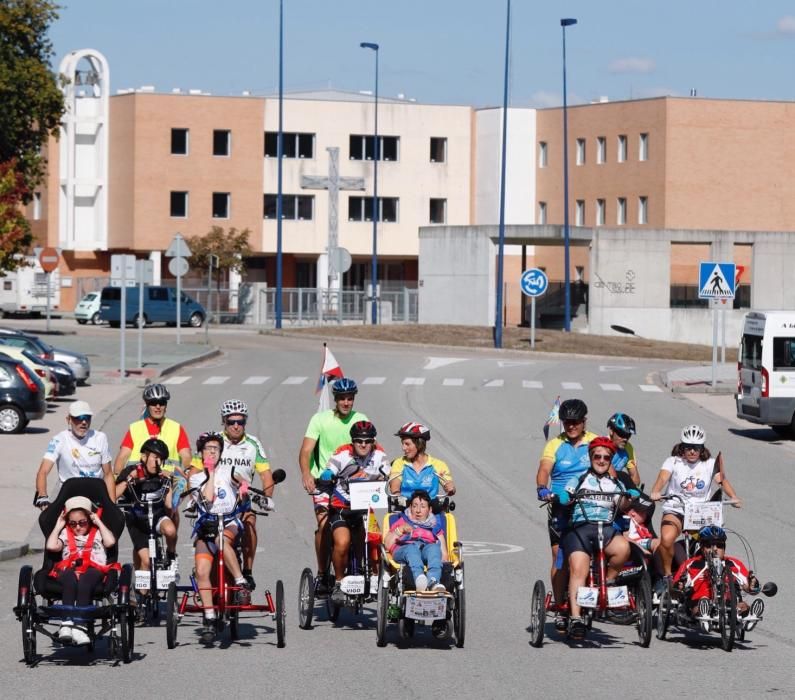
{"x": 155, "y": 446}
{"x": 572, "y": 409}
{"x": 363, "y": 429}
{"x": 712, "y": 534}
{"x": 622, "y": 423}
{"x": 209, "y": 436}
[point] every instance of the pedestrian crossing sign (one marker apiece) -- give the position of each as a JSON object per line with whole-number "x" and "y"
{"x": 716, "y": 280}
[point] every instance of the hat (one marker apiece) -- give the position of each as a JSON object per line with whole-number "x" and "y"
{"x": 80, "y": 408}
{"x": 78, "y": 502}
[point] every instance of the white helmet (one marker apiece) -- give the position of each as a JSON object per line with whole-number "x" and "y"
{"x": 693, "y": 435}
{"x": 233, "y": 407}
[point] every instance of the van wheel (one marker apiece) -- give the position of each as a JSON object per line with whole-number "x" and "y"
{"x": 81, "y": 321}
{"x": 114, "y": 324}
{"x": 95, "y": 319}
{"x": 135, "y": 321}
{"x": 196, "y": 319}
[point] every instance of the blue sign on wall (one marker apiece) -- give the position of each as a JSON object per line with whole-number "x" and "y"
{"x": 534, "y": 282}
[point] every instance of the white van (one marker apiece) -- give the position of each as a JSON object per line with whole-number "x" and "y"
{"x": 766, "y": 370}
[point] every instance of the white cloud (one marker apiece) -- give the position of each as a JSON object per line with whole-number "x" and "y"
{"x": 786, "y": 25}
{"x": 632, "y": 64}
{"x": 545, "y": 98}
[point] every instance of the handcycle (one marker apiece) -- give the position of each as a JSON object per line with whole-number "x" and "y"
{"x": 359, "y": 583}
{"x": 182, "y": 600}
{"x": 111, "y": 612}
{"x": 629, "y": 595}
{"x": 161, "y": 572}
{"x": 675, "y": 605}
{"x": 399, "y": 602}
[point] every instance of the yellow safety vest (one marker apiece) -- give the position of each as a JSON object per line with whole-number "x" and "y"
{"x": 169, "y": 433}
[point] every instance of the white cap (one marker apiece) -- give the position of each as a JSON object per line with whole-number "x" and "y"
{"x": 80, "y": 408}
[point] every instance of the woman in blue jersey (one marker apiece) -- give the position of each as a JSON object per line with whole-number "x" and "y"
{"x": 416, "y": 470}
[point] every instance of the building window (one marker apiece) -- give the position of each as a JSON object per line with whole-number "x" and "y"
{"x": 180, "y": 142}
{"x": 36, "y": 206}
{"x": 580, "y": 151}
{"x": 601, "y": 149}
{"x": 438, "y": 212}
{"x": 579, "y": 273}
{"x": 295, "y": 207}
{"x": 361, "y": 147}
{"x": 542, "y": 154}
{"x": 294, "y": 145}
{"x": 221, "y": 205}
{"x": 622, "y": 148}
{"x": 643, "y": 210}
{"x": 621, "y": 211}
{"x": 222, "y": 142}
{"x": 600, "y": 212}
{"x": 179, "y": 205}
{"x": 579, "y": 213}
{"x": 542, "y": 213}
{"x": 361, "y": 209}
{"x": 438, "y": 149}
{"x": 643, "y": 147}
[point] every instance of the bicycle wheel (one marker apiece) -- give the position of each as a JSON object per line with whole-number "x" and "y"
{"x": 280, "y": 616}
{"x": 381, "y": 620}
{"x": 234, "y": 625}
{"x": 306, "y": 599}
{"x": 663, "y": 613}
{"x": 538, "y": 614}
{"x": 127, "y": 634}
{"x": 172, "y": 615}
{"x": 460, "y": 613}
{"x": 643, "y": 610}
{"x": 727, "y": 610}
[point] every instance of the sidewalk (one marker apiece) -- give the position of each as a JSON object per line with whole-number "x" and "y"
{"x": 697, "y": 378}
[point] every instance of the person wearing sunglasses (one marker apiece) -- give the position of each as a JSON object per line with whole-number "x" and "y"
{"x": 362, "y": 459}
{"x": 692, "y": 474}
{"x": 620, "y": 428}
{"x": 83, "y": 540}
{"x": 78, "y": 451}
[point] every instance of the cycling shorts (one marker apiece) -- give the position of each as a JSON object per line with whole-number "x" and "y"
{"x": 350, "y": 520}
{"x": 584, "y": 538}
{"x": 139, "y": 529}
{"x": 557, "y": 522}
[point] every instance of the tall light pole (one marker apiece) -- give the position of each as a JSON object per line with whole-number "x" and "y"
{"x": 501, "y": 244}
{"x": 566, "y": 281}
{"x": 279, "y": 153}
{"x": 376, "y": 155}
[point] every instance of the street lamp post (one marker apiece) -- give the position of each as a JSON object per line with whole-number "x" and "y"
{"x": 568, "y": 22}
{"x": 279, "y": 153}
{"x": 376, "y": 154}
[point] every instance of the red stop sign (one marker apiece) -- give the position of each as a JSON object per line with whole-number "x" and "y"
{"x": 48, "y": 259}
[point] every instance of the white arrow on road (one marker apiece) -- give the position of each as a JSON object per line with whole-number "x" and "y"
{"x": 614, "y": 368}
{"x": 436, "y": 362}
{"x": 513, "y": 363}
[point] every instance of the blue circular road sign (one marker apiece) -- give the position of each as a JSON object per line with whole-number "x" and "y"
{"x": 534, "y": 282}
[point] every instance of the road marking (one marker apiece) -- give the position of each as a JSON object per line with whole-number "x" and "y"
{"x": 650, "y": 387}
{"x": 374, "y": 380}
{"x": 256, "y": 380}
{"x": 294, "y": 380}
{"x": 571, "y": 386}
{"x": 611, "y": 387}
{"x": 494, "y": 382}
{"x": 414, "y": 381}
{"x": 613, "y": 368}
{"x": 476, "y": 549}
{"x": 514, "y": 363}
{"x": 436, "y": 362}
{"x": 452, "y": 381}
{"x": 532, "y": 384}
{"x": 215, "y": 380}
{"x": 176, "y": 380}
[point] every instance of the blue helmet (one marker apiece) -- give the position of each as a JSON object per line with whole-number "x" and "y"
{"x": 621, "y": 423}
{"x": 712, "y": 534}
{"x": 343, "y": 385}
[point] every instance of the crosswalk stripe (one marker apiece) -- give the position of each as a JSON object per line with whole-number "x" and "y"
{"x": 570, "y": 386}
{"x": 294, "y": 380}
{"x": 650, "y": 388}
{"x": 373, "y": 380}
{"x": 495, "y": 382}
{"x": 256, "y": 380}
{"x": 215, "y": 380}
{"x": 532, "y": 384}
{"x": 611, "y": 387}
{"x": 452, "y": 381}
{"x": 414, "y": 381}
{"x": 176, "y": 380}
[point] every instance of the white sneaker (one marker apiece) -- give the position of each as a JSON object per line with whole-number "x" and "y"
{"x": 375, "y": 579}
{"x": 65, "y": 632}
{"x": 421, "y": 582}
{"x": 80, "y": 637}
{"x": 436, "y": 586}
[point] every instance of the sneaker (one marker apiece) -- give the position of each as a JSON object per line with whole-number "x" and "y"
{"x": 375, "y": 579}
{"x": 65, "y": 632}
{"x": 421, "y": 583}
{"x": 703, "y": 617}
{"x": 243, "y": 594}
{"x": 561, "y": 622}
{"x": 435, "y": 586}
{"x": 337, "y": 594}
{"x": 577, "y": 628}
{"x": 662, "y": 584}
{"x": 208, "y": 630}
{"x": 80, "y": 637}
{"x": 249, "y": 579}
{"x": 321, "y": 584}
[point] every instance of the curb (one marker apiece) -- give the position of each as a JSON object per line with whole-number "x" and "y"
{"x": 13, "y": 550}
{"x": 189, "y": 361}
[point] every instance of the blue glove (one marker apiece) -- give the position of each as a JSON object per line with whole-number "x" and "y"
{"x": 176, "y": 491}
{"x": 633, "y": 492}
{"x": 326, "y": 475}
{"x": 564, "y": 498}
{"x": 543, "y": 493}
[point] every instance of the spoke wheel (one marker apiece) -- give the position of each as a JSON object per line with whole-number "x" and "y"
{"x": 727, "y": 611}
{"x": 306, "y": 599}
{"x": 460, "y": 613}
{"x": 383, "y": 605}
{"x": 172, "y": 615}
{"x": 538, "y": 614}
{"x": 643, "y": 610}
{"x": 281, "y": 626}
{"x": 28, "y": 637}
{"x": 127, "y": 634}
{"x": 663, "y": 613}
{"x": 405, "y": 628}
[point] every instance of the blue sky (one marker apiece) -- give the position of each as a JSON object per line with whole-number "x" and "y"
{"x": 446, "y": 51}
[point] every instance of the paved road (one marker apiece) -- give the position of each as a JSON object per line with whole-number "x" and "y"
{"x": 491, "y": 436}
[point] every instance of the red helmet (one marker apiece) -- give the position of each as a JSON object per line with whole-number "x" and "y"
{"x": 601, "y": 441}
{"x": 414, "y": 430}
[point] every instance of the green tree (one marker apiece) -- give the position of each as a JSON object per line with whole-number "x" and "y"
{"x": 230, "y": 246}
{"x": 15, "y": 236}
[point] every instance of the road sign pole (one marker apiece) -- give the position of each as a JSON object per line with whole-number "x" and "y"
{"x": 123, "y": 319}
{"x": 179, "y": 307}
{"x": 532, "y": 323}
{"x": 723, "y": 336}
{"x": 140, "y": 319}
{"x": 714, "y": 346}
{"x": 49, "y": 275}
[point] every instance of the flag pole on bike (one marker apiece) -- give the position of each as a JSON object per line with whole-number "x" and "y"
{"x": 329, "y": 370}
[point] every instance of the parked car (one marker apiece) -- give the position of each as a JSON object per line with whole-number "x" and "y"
{"x": 60, "y": 372}
{"x": 160, "y": 306}
{"x": 76, "y": 361}
{"x": 35, "y": 365}
{"x": 21, "y": 396}
{"x": 87, "y": 309}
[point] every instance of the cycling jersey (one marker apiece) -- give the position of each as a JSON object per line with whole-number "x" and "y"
{"x": 624, "y": 458}
{"x": 568, "y": 460}
{"x": 75, "y": 457}
{"x": 690, "y": 481}
{"x": 593, "y": 507}
{"x": 246, "y": 456}
{"x": 329, "y": 431}
{"x": 225, "y": 491}
{"x": 694, "y": 574}
{"x": 346, "y": 464}
{"x": 427, "y": 479}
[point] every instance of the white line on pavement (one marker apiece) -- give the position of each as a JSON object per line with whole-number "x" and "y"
{"x": 215, "y": 380}
{"x": 495, "y": 382}
{"x": 294, "y": 380}
{"x": 414, "y": 381}
{"x": 611, "y": 387}
{"x": 256, "y": 380}
{"x": 570, "y": 386}
{"x": 176, "y": 380}
{"x": 532, "y": 384}
{"x": 650, "y": 388}
{"x": 452, "y": 381}
{"x": 374, "y": 380}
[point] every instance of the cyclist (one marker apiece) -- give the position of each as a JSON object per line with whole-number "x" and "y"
{"x": 564, "y": 457}
{"x": 146, "y": 478}
{"x": 362, "y": 459}
{"x": 77, "y": 451}
{"x": 620, "y": 428}
{"x": 580, "y": 541}
{"x": 326, "y": 431}
{"x": 416, "y": 469}
{"x": 690, "y": 473}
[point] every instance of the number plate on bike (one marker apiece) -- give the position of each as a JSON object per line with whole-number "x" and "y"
{"x": 368, "y": 494}
{"x": 617, "y": 597}
{"x": 426, "y": 608}
{"x": 165, "y": 577}
{"x": 588, "y": 596}
{"x": 142, "y": 580}
{"x": 698, "y": 515}
{"x": 352, "y": 585}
